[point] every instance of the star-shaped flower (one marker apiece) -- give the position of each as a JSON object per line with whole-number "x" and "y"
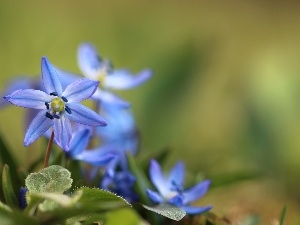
{"x": 171, "y": 191}
{"x": 57, "y": 107}
{"x": 94, "y": 67}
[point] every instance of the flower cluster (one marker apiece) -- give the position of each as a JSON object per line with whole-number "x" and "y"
{"x": 103, "y": 142}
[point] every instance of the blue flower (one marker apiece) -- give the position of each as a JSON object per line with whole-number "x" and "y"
{"x": 57, "y": 107}
{"x": 121, "y": 134}
{"x": 93, "y": 67}
{"x": 77, "y": 150}
{"x": 22, "y": 197}
{"x": 120, "y": 183}
{"x": 171, "y": 189}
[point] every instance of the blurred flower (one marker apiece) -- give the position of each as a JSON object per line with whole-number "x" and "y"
{"x": 77, "y": 150}
{"x": 121, "y": 134}
{"x": 120, "y": 183}
{"x": 17, "y": 84}
{"x": 56, "y": 106}
{"x": 171, "y": 189}
{"x": 93, "y": 67}
{"x": 22, "y": 197}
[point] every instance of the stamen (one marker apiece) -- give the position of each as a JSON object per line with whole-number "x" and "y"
{"x": 176, "y": 187}
{"x": 56, "y": 116}
{"x": 54, "y": 94}
{"x": 48, "y": 115}
{"x": 68, "y": 110}
{"x": 64, "y": 99}
{"x": 47, "y": 105}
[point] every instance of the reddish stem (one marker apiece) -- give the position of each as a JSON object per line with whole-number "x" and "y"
{"x": 48, "y": 151}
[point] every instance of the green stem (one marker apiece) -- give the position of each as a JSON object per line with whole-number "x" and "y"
{"x": 48, "y": 151}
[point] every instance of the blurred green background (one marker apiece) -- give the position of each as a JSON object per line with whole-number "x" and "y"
{"x": 224, "y": 96}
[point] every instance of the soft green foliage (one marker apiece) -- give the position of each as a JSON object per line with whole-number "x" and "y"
{"x": 8, "y": 191}
{"x": 54, "y": 179}
{"x": 96, "y": 195}
{"x": 168, "y": 211}
{"x": 282, "y": 216}
{"x": 128, "y": 216}
{"x": 141, "y": 181}
{"x": 83, "y": 204}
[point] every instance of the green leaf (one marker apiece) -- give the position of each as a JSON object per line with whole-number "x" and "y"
{"x": 60, "y": 199}
{"x": 8, "y": 191}
{"x": 16, "y": 217}
{"x": 75, "y": 169}
{"x": 94, "y": 219}
{"x": 282, "y": 216}
{"x": 141, "y": 180}
{"x": 169, "y": 211}
{"x": 5, "y": 207}
{"x": 55, "y": 179}
{"x": 128, "y": 216}
{"x": 96, "y": 196}
{"x": 7, "y": 158}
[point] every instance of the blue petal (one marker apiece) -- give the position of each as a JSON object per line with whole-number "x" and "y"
{"x": 176, "y": 200}
{"x": 158, "y": 179}
{"x": 193, "y": 210}
{"x": 195, "y": 192}
{"x": 123, "y": 79}
{"x": 105, "y": 97}
{"x": 79, "y": 142}
{"x": 89, "y": 60}
{"x": 50, "y": 77}
{"x": 95, "y": 158}
{"x": 37, "y": 127}
{"x": 80, "y": 90}
{"x": 29, "y": 98}
{"x": 62, "y": 132}
{"x": 84, "y": 115}
{"x": 66, "y": 77}
{"x": 176, "y": 176}
{"x": 16, "y": 84}
{"x": 154, "y": 196}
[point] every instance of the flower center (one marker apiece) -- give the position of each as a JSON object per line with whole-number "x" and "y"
{"x": 105, "y": 70}
{"x": 57, "y": 105}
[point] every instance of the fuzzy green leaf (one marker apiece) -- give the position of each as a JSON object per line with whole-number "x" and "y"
{"x": 8, "y": 191}
{"x": 53, "y": 179}
{"x": 169, "y": 211}
{"x": 96, "y": 196}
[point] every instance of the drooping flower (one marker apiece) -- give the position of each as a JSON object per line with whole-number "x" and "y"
{"x": 121, "y": 134}
{"x": 94, "y": 67}
{"x": 170, "y": 188}
{"x": 57, "y": 107}
{"x": 78, "y": 150}
{"x": 120, "y": 183}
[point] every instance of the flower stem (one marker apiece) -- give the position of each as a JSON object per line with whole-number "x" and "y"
{"x": 48, "y": 151}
